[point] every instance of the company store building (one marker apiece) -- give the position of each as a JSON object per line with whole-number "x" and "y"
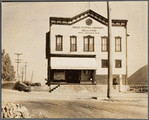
{"x": 77, "y": 49}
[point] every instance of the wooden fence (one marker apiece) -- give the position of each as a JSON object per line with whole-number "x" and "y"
{"x": 138, "y": 88}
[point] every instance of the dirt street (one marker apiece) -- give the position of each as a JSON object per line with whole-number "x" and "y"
{"x": 69, "y": 106}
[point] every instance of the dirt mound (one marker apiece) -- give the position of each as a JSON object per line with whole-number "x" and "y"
{"x": 140, "y": 77}
{"x": 11, "y": 110}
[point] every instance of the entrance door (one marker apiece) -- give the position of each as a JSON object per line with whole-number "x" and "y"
{"x": 72, "y": 76}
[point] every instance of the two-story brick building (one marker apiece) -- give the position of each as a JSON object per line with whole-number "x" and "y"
{"x": 77, "y": 49}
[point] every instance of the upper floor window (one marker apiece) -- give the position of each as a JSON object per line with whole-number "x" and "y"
{"x": 59, "y": 41}
{"x": 88, "y": 43}
{"x": 104, "y": 44}
{"x": 118, "y": 63}
{"x": 104, "y": 64}
{"x": 118, "y": 44}
{"x": 73, "y": 43}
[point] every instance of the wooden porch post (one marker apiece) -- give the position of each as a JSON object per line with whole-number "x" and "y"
{"x": 49, "y": 71}
{"x": 51, "y": 76}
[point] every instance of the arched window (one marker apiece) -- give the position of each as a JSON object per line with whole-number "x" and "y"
{"x": 88, "y": 43}
{"x": 73, "y": 43}
{"x": 59, "y": 41}
{"x": 104, "y": 44}
{"x": 118, "y": 44}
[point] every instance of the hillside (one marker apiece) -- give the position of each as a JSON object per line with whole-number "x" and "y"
{"x": 140, "y": 77}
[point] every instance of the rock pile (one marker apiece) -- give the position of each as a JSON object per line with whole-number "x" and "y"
{"x": 11, "y": 110}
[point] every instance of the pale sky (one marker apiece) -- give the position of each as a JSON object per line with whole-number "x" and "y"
{"x": 24, "y": 27}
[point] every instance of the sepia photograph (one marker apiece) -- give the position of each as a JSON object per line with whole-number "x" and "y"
{"x": 74, "y": 59}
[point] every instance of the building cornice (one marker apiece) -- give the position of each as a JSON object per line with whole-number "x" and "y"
{"x": 83, "y": 15}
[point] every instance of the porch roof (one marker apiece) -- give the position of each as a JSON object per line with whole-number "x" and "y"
{"x": 73, "y": 63}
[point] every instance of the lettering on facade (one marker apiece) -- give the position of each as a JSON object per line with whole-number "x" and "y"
{"x": 87, "y": 29}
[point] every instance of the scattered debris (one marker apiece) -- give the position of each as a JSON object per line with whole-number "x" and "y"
{"x": 94, "y": 98}
{"x": 120, "y": 100}
{"x": 11, "y": 110}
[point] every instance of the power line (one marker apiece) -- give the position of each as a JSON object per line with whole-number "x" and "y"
{"x": 86, "y": 7}
{"x": 18, "y": 61}
{"x": 80, "y": 8}
{"x": 96, "y": 7}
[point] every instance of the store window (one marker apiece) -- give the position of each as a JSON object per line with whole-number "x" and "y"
{"x": 118, "y": 44}
{"x": 104, "y": 63}
{"x": 59, "y": 40}
{"x": 73, "y": 43}
{"x": 89, "y": 43}
{"x": 59, "y": 75}
{"x": 104, "y": 44}
{"x": 118, "y": 63}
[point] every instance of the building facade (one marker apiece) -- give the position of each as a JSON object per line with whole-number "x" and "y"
{"x": 77, "y": 49}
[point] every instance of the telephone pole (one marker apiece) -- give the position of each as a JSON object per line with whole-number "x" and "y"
{"x": 25, "y": 69}
{"x": 18, "y": 61}
{"x": 109, "y": 53}
{"x": 32, "y": 77}
{"x": 22, "y": 73}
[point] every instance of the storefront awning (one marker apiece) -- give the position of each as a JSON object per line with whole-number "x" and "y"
{"x": 73, "y": 63}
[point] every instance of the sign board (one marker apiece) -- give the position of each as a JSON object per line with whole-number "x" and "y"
{"x": 87, "y": 29}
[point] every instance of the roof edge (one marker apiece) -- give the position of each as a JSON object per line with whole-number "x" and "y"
{"x": 88, "y": 13}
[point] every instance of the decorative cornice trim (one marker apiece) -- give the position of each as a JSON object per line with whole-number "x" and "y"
{"x": 81, "y": 16}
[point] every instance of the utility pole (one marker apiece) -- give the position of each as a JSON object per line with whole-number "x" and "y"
{"x": 32, "y": 77}
{"x": 18, "y": 61}
{"x": 22, "y": 73}
{"x": 25, "y": 69}
{"x": 109, "y": 53}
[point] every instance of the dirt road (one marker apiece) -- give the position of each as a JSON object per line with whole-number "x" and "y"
{"x": 68, "y": 106}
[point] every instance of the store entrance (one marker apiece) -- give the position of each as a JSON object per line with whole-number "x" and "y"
{"x": 73, "y": 76}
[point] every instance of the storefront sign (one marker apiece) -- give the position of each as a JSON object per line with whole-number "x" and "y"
{"x": 87, "y": 29}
